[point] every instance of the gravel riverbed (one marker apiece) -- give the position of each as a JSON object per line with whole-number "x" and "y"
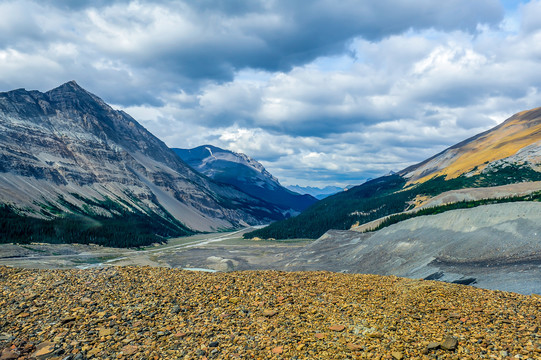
{"x": 160, "y": 313}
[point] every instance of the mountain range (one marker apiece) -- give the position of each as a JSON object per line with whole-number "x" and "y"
{"x": 510, "y": 153}
{"x": 74, "y": 169}
{"x": 246, "y": 174}
{"x": 318, "y": 193}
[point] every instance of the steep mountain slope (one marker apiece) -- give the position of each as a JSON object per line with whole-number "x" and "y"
{"x": 517, "y": 140}
{"x": 67, "y": 152}
{"x": 246, "y": 174}
{"x": 507, "y": 154}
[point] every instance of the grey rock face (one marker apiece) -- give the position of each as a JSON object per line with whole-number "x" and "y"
{"x": 67, "y": 142}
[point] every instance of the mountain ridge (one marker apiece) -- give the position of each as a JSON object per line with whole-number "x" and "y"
{"x": 66, "y": 151}
{"x": 318, "y": 193}
{"x": 475, "y": 153}
{"x": 506, "y": 154}
{"x": 245, "y": 173}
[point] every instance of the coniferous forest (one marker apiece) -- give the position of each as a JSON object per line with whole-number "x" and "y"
{"x": 381, "y": 197}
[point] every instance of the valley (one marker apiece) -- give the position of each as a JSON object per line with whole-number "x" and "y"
{"x": 483, "y": 247}
{"x": 270, "y": 180}
{"x": 85, "y": 186}
{"x": 213, "y": 252}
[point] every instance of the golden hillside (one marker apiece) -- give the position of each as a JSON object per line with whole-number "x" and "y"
{"x": 505, "y": 140}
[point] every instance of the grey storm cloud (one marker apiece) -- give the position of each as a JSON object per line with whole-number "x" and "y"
{"x": 213, "y": 40}
{"x": 193, "y": 42}
{"x": 328, "y": 90}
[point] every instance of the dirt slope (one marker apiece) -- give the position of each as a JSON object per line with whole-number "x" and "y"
{"x": 493, "y": 246}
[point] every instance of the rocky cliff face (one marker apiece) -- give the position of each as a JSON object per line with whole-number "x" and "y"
{"x": 246, "y": 174}
{"x": 67, "y": 151}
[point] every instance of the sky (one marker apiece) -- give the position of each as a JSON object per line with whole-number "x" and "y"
{"x": 321, "y": 92}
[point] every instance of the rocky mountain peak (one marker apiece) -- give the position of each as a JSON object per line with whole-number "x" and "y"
{"x": 71, "y": 96}
{"x": 245, "y": 173}
{"x": 65, "y": 148}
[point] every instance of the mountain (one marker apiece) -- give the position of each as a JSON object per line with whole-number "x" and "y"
{"x": 245, "y": 173}
{"x": 515, "y": 141}
{"x": 510, "y": 153}
{"x": 318, "y": 193}
{"x": 71, "y": 166}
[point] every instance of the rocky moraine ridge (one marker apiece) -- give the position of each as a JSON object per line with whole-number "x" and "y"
{"x": 157, "y": 313}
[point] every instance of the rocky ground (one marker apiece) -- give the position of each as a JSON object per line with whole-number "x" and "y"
{"x": 161, "y": 313}
{"x": 493, "y": 247}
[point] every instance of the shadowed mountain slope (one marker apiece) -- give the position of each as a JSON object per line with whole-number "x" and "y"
{"x": 246, "y": 174}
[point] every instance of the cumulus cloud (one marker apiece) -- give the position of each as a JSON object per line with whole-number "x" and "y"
{"x": 387, "y": 105}
{"x": 187, "y": 44}
{"x": 322, "y": 92}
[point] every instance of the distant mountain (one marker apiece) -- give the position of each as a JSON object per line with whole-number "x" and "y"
{"x": 510, "y": 153}
{"x": 74, "y": 169}
{"x": 245, "y": 173}
{"x": 318, "y": 193}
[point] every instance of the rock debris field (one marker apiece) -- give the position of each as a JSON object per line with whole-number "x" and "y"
{"x": 159, "y": 313}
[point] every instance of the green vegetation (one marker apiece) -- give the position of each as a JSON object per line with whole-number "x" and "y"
{"x": 503, "y": 175}
{"x": 381, "y": 197}
{"x": 124, "y": 228}
{"x": 371, "y": 201}
{"x": 396, "y": 218}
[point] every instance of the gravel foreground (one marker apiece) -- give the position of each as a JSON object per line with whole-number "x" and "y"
{"x": 159, "y": 313}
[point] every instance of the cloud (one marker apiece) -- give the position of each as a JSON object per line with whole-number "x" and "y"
{"x": 384, "y": 106}
{"x": 321, "y": 91}
{"x": 188, "y": 44}
{"x": 531, "y": 13}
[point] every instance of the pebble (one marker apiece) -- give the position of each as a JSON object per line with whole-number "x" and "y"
{"x": 43, "y": 350}
{"x": 269, "y": 313}
{"x": 449, "y": 343}
{"x": 337, "y": 328}
{"x": 9, "y": 354}
{"x": 158, "y": 313}
{"x": 129, "y": 349}
{"x": 354, "y": 347}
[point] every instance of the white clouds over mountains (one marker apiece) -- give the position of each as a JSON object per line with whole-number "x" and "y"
{"x": 321, "y": 91}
